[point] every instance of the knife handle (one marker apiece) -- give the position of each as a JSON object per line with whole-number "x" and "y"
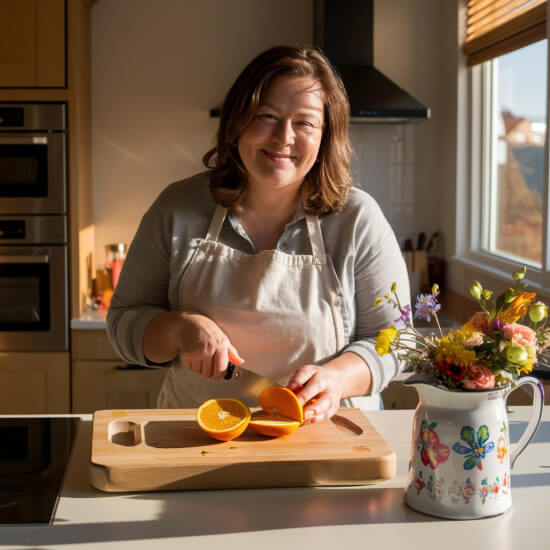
{"x": 229, "y": 371}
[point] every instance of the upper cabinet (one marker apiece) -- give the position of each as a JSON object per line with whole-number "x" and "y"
{"x": 32, "y": 44}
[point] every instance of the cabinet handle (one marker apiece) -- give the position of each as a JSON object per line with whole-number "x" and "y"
{"x": 24, "y": 140}
{"x": 41, "y": 259}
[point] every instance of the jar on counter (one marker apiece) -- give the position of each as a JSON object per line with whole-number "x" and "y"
{"x": 116, "y": 254}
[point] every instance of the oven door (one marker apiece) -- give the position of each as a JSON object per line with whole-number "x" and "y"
{"x": 32, "y": 173}
{"x": 33, "y": 298}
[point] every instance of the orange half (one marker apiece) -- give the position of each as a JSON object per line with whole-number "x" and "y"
{"x": 281, "y": 402}
{"x": 223, "y": 418}
{"x": 274, "y": 426}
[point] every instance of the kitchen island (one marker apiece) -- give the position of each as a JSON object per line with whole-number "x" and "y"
{"x": 317, "y": 517}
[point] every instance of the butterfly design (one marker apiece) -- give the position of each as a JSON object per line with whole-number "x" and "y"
{"x": 432, "y": 452}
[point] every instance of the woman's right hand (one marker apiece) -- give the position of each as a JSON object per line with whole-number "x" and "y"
{"x": 204, "y": 347}
{"x": 200, "y": 343}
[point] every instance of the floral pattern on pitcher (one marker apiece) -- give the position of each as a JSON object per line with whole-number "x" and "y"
{"x": 432, "y": 452}
{"x": 436, "y": 489}
{"x": 495, "y": 490}
{"x": 478, "y": 446}
{"x": 502, "y": 448}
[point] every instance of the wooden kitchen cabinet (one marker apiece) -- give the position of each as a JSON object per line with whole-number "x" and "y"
{"x": 100, "y": 380}
{"x": 34, "y": 383}
{"x": 32, "y": 43}
{"x": 398, "y": 396}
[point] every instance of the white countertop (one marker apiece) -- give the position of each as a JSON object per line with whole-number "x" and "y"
{"x": 90, "y": 320}
{"x": 357, "y": 517}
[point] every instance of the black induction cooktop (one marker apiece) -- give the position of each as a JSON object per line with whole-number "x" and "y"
{"x": 34, "y": 453}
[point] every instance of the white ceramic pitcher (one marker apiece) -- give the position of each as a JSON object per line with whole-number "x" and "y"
{"x": 460, "y": 453}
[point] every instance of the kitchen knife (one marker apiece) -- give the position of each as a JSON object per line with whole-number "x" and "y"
{"x": 260, "y": 384}
{"x": 230, "y": 369}
{"x": 421, "y": 241}
{"x": 432, "y": 241}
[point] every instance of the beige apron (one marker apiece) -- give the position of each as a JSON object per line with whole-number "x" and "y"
{"x": 280, "y": 311}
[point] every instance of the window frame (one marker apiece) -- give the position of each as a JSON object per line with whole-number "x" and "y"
{"x": 479, "y": 120}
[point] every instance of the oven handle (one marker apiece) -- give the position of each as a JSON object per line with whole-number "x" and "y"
{"x": 42, "y": 259}
{"x": 30, "y": 140}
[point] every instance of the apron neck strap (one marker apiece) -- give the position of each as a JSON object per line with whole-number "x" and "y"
{"x": 216, "y": 224}
{"x": 316, "y": 237}
{"x": 312, "y": 223}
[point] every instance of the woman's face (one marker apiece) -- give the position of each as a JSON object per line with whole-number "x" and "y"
{"x": 281, "y": 144}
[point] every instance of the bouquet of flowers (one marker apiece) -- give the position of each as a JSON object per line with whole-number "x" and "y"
{"x": 494, "y": 348}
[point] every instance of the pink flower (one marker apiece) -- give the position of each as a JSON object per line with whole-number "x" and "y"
{"x": 478, "y": 377}
{"x": 520, "y": 334}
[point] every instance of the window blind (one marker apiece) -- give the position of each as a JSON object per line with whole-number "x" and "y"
{"x": 496, "y": 27}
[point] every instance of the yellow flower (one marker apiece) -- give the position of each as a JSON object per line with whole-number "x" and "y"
{"x": 527, "y": 368}
{"x": 519, "y": 307}
{"x": 384, "y": 340}
{"x": 378, "y": 301}
{"x": 451, "y": 349}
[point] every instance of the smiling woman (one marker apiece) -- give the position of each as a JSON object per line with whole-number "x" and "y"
{"x": 270, "y": 260}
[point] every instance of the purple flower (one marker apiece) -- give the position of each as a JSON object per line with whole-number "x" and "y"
{"x": 426, "y": 306}
{"x": 498, "y": 326}
{"x": 405, "y": 316}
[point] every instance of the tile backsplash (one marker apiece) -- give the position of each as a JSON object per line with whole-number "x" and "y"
{"x": 384, "y": 165}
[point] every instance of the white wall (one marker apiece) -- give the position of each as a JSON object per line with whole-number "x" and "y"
{"x": 400, "y": 165}
{"x": 158, "y": 66}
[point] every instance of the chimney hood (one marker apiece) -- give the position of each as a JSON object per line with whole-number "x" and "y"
{"x": 344, "y": 31}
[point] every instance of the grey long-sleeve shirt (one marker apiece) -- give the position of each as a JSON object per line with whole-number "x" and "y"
{"x": 359, "y": 240}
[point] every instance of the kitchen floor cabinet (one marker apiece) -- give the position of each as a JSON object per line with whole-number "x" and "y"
{"x": 34, "y": 383}
{"x": 32, "y": 43}
{"x": 398, "y": 396}
{"x": 101, "y": 380}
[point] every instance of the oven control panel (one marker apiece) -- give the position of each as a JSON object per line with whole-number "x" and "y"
{"x": 12, "y": 229}
{"x": 11, "y": 116}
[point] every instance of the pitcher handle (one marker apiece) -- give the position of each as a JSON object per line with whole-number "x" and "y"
{"x": 536, "y": 416}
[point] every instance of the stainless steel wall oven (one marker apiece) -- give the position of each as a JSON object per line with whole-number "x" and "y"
{"x": 33, "y": 164}
{"x": 33, "y": 228}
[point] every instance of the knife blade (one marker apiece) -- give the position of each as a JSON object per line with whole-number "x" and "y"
{"x": 260, "y": 382}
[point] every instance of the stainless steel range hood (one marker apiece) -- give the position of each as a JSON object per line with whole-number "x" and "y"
{"x": 344, "y": 30}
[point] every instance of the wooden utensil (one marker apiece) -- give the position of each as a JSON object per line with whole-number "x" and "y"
{"x": 164, "y": 449}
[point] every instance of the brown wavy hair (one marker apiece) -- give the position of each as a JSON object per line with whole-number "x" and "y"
{"x": 326, "y": 185}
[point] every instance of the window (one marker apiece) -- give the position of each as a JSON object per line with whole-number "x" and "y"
{"x": 507, "y": 55}
{"x": 513, "y": 152}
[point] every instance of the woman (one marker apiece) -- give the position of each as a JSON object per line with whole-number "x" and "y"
{"x": 270, "y": 259}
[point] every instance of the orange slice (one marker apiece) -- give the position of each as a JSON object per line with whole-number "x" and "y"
{"x": 282, "y": 413}
{"x": 275, "y": 426}
{"x": 278, "y": 401}
{"x": 223, "y": 418}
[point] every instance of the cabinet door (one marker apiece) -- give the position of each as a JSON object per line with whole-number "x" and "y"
{"x": 101, "y": 385}
{"x": 32, "y": 43}
{"x": 34, "y": 383}
{"x": 398, "y": 396}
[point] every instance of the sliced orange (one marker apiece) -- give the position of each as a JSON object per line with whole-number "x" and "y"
{"x": 223, "y": 418}
{"x": 278, "y": 401}
{"x": 282, "y": 413}
{"x": 275, "y": 426}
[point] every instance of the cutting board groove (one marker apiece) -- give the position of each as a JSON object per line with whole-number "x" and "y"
{"x": 164, "y": 449}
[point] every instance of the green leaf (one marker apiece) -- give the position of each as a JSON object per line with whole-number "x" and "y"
{"x": 470, "y": 463}
{"x": 467, "y": 434}
{"x": 482, "y": 434}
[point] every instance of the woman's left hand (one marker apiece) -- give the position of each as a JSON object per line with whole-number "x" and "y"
{"x": 324, "y": 385}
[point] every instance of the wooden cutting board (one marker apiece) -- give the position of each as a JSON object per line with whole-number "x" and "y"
{"x": 164, "y": 449}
